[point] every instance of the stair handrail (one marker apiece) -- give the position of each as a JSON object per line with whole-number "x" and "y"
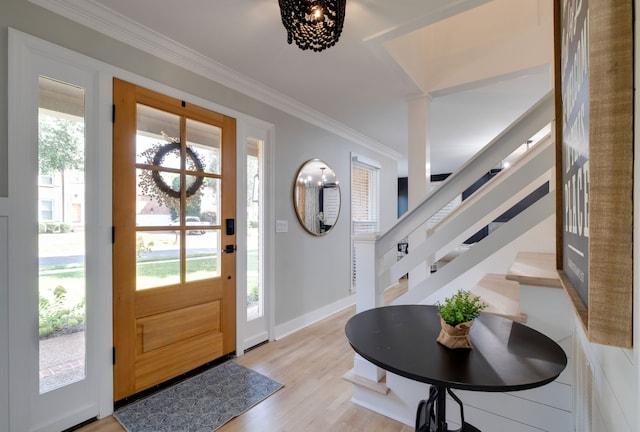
{"x": 444, "y": 277}
{"x": 517, "y": 182}
{"x": 521, "y": 130}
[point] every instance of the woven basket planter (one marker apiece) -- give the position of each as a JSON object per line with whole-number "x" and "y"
{"x": 455, "y": 337}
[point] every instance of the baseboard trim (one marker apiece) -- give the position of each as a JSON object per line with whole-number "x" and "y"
{"x": 313, "y": 317}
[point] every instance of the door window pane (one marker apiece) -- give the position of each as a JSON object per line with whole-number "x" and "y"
{"x": 153, "y": 206}
{"x": 255, "y": 298}
{"x": 156, "y": 129}
{"x": 61, "y": 240}
{"x": 202, "y": 208}
{"x": 157, "y": 258}
{"x": 204, "y": 140}
{"x": 202, "y": 260}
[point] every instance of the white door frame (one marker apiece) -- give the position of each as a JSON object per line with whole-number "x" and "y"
{"x": 250, "y": 334}
{"x": 61, "y": 408}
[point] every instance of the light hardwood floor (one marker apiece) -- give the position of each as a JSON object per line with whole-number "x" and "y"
{"x": 310, "y": 363}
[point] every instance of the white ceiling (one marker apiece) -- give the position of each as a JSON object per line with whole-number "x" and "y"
{"x": 481, "y": 68}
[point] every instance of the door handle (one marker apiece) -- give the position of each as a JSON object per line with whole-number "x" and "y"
{"x": 229, "y": 249}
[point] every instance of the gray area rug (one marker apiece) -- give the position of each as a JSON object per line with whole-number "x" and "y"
{"x": 201, "y": 403}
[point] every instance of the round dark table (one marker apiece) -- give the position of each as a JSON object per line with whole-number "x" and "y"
{"x": 506, "y": 356}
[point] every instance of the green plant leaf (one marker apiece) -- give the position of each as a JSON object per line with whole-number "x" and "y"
{"x": 460, "y": 307}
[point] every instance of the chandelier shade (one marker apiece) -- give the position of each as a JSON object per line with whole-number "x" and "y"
{"x": 313, "y": 24}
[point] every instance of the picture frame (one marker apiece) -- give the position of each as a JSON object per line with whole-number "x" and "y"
{"x": 594, "y": 164}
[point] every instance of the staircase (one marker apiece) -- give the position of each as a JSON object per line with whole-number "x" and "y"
{"x": 512, "y": 269}
{"x": 502, "y": 292}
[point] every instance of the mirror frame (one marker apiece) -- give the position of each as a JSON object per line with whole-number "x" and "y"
{"x": 296, "y": 198}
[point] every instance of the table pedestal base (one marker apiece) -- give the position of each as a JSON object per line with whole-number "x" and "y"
{"x": 432, "y": 413}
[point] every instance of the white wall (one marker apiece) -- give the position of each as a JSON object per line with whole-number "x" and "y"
{"x": 312, "y": 267}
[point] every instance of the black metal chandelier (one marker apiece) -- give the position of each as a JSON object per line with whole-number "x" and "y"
{"x": 313, "y": 24}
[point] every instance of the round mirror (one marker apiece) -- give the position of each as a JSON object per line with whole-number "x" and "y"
{"x": 316, "y": 197}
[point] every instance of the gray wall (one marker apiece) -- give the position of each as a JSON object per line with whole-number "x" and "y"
{"x": 310, "y": 272}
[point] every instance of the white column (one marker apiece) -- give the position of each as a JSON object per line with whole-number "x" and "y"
{"x": 419, "y": 173}
{"x": 368, "y": 296}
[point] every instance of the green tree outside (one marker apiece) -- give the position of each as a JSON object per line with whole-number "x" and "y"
{"x": 60, "y": 147}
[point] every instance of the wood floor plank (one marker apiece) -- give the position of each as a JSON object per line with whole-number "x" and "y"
{"x": 310, "y": 363}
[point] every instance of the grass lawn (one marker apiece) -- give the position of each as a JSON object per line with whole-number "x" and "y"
{"x": 151, "y": 273}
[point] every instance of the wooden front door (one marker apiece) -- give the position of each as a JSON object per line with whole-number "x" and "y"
{"x": 174, "y": 238}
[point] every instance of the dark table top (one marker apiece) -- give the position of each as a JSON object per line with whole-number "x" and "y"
{"x": 506, "y": 355}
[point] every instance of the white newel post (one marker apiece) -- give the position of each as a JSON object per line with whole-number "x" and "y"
{"x": 368, "y": 295}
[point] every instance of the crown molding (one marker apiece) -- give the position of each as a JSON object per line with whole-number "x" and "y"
{"x": 110, "y": 23}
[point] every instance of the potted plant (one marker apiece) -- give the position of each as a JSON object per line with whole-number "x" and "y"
{"x": 456, "y": 317}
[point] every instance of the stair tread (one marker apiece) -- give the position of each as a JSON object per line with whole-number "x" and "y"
{"x": 378, "y": 387}
{"x": 535, "y": 268}
{"x": 501, "y": 295}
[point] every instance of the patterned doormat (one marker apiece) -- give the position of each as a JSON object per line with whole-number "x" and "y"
{"x": 202, "y": 403}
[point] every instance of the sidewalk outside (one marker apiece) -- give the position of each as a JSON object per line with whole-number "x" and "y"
{"x": 61, "y": 360}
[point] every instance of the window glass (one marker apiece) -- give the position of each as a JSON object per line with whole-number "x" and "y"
{"x": 61, "y": 239}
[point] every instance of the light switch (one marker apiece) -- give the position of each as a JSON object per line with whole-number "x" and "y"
{"x": 282, "y": 226}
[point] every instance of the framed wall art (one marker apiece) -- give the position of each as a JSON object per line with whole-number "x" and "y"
{"x": 594, "y": 163}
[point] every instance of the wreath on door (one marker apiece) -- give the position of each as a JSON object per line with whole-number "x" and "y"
{"x": 154, "y": 185}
